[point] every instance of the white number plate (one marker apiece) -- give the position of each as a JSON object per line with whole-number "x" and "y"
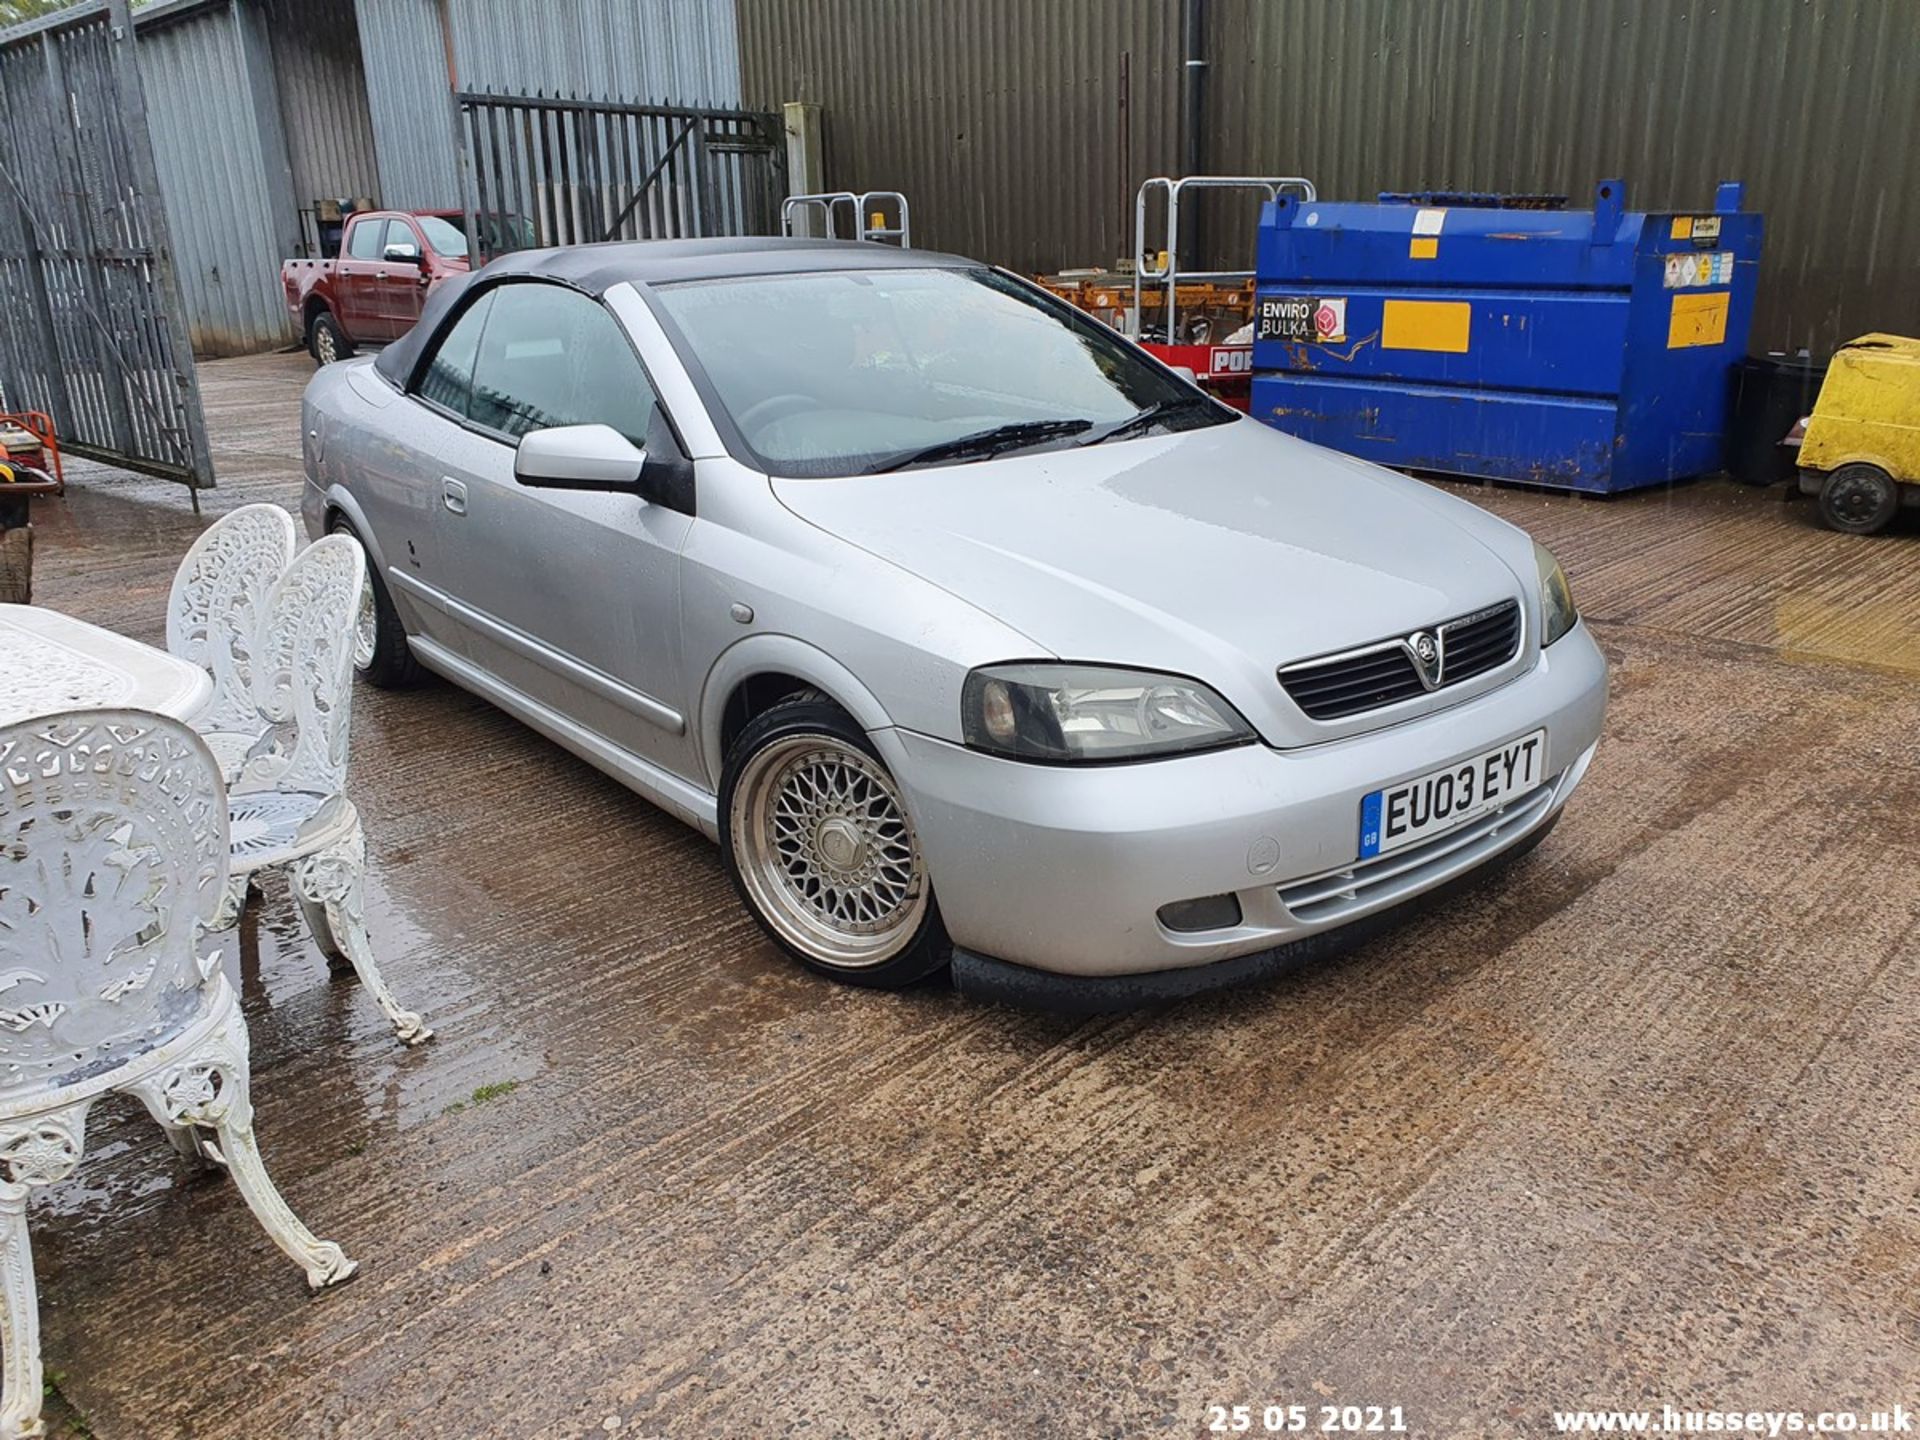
{"x": 1420, "y": 809}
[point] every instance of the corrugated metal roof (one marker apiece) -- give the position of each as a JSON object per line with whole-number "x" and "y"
{"x": 999, "y": 119}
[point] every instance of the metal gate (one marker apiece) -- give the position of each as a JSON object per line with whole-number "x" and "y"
{"x": 567, "y": 172}
{"x": 91, "y": 325}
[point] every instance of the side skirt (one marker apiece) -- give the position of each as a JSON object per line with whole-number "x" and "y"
{"x": 679, "y": 798}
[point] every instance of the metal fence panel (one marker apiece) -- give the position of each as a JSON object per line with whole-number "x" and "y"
{"x": 570, "y": 172}
{"x": 681, "y": 51}
{"x": 94, "y": 333}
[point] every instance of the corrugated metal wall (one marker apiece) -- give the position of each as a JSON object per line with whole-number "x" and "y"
{"x": 409, "y": 103}
{"x": 999, "y": 118}
{"x": 1814, "y": 103}
{"x": 323, "y": 99}
{"x": 665, "y": 52}
{"x": 214, "y": 131}
{"x": 675, "y": 52}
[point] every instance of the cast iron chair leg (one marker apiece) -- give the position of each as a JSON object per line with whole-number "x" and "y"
{"x": 331, "y": 881}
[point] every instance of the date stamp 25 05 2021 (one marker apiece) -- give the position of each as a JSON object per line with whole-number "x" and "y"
{"x": 1279, "y": 1419}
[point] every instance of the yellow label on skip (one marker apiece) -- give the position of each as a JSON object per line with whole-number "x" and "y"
{"x": 1697, "y": 320}
{"x": 1682, "y": 227}
{"x": 1424, "y": 247}
{"x": 1426, "y": 325}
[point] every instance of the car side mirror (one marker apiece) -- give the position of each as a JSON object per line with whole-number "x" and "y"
{"x": 599, "y": 457}
{"x": 1185, "y": 372}
{"x": 578, "y": 457}
{"x": 403, "y": 254}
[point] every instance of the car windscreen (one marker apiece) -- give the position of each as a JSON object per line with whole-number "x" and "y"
{"x": 843, "y": 372}
{"x": 498, "y": 234}
{"x": 445, "y": 238}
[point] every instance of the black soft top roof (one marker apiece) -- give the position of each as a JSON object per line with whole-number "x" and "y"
{"x": 596, "y": 269}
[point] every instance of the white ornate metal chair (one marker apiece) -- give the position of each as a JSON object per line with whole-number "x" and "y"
{"x": 218, "y": 599}
{"x": 113, "y": 847}
{"x": 286, "y": 806}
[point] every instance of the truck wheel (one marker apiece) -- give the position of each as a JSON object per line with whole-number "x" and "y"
{"x": 1859, "y": 499}
{"x": 381, "y": 655}
{"x": 326, "y": 340}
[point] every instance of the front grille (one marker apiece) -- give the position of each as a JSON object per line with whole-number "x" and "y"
{"x": 1365, "y": 883}
{"x": 1384, "y": 673}
{"x": 1479, "y": 643}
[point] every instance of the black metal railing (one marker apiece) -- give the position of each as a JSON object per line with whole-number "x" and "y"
{"x": 548, "y": 171}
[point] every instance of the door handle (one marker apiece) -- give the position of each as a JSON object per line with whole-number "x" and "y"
{"x": 454, "y": 494}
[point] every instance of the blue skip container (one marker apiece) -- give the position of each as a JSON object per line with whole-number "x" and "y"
{"x": 1507, "y": 337}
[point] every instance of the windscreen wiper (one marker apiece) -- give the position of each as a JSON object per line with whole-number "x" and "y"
{"x": 983, "y": 444}
{"x": 1155, "y": 413}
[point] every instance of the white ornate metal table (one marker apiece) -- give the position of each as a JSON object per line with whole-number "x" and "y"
{"x": 51, "y": 662}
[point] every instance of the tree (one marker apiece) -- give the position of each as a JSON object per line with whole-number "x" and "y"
{"x": 12, "y": 12}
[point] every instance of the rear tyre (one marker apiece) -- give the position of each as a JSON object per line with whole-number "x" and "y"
{"x": 1859, "y": 499}
{"x": 822, "y": 851}
{"x": 381, "y": 655}
{"x": 326, "y": 341}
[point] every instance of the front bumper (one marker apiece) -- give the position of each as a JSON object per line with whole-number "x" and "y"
{"x": 1064, "y": 869}
{"x": 979, "y": 977}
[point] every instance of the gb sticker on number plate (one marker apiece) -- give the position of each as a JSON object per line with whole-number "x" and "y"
{"x": 1420, "y": 809}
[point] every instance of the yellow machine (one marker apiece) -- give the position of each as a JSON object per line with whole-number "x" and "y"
{"x": 1861, "y": 449}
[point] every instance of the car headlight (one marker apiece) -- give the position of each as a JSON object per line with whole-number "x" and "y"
{"x": 1090, "y": 713}
{"x": 1556, "y": 596}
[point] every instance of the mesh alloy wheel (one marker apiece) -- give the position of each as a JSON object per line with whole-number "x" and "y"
{"x": 826, "y": 852}
{"x": 366, "y": 625}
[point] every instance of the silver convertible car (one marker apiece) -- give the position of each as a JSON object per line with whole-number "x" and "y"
{"x": 972, "y": 633}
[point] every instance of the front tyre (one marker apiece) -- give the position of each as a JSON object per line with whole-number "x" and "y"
{"x": 1859, "y": 499}
{"x": 381, "y": 655}
{"x": 823, "y": 852}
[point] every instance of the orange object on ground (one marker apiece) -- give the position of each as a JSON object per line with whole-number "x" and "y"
{"x": 44, "y": 453}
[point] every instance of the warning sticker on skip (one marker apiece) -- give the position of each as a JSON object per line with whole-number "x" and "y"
{"x": 1689, "y": 270}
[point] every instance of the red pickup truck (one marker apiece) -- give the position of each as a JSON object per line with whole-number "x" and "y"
{"x": 373, "y": 291}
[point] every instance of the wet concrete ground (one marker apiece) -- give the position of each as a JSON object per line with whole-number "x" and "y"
{"x": 1638, "y": 1123}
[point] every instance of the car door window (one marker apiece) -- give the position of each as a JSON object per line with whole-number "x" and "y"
{"x": 551, "y": 356}
{"x": 448, "y": 380}
{"x": 363, "y": 239}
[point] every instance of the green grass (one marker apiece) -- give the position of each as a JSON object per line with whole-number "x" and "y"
{"x": 75, "y": 1426}
{"x": 494, "y": 1091}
